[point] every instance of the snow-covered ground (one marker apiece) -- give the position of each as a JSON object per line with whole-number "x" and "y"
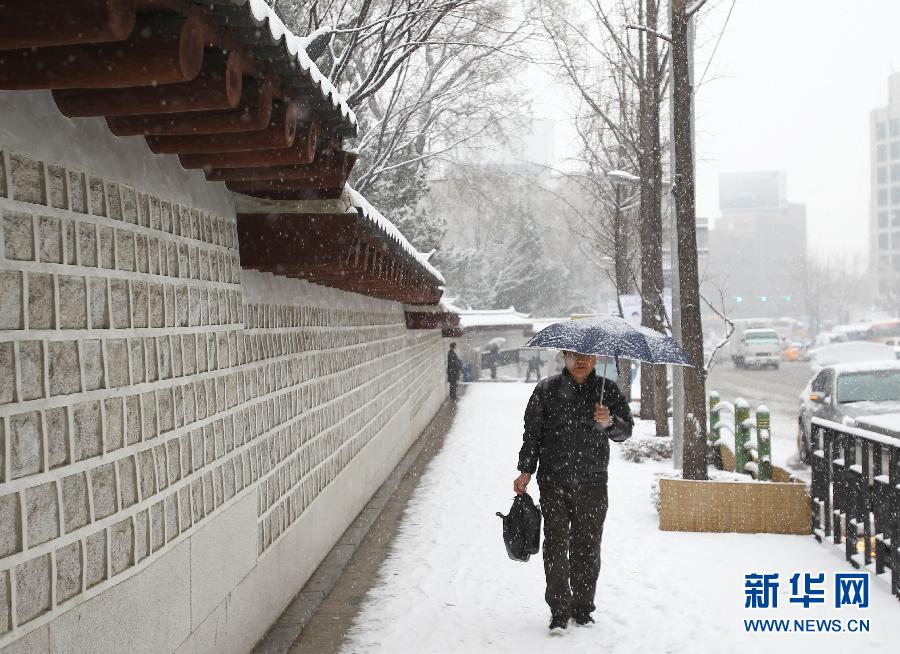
{"x": 448, "y": 585}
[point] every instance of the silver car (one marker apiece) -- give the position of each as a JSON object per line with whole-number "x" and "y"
{"x": 844, "y": 392}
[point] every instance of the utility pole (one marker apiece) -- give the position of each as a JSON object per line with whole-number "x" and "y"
{"x": 694, "y": 423}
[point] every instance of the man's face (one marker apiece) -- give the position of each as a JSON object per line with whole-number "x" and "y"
{"x": 579, "y": 365}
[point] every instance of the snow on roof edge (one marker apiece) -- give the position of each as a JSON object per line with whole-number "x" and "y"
{"x": 296, "y": 47}
{"x": 357, "y": 201}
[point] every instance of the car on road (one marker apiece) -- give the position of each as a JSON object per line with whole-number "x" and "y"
{"x": 757, "y": 347}
{"x": 853, "y": 352}
{"x": 845, "y": 393}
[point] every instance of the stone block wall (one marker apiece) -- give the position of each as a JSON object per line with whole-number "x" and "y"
{"x": 144, "y": 393}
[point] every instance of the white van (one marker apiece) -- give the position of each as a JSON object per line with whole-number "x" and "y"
{"x": 757, "y": 347}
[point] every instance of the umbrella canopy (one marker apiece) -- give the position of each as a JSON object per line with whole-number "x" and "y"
{"x": 611, "y": 336}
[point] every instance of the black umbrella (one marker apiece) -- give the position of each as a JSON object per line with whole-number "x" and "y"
{"x": 611, "y": 336}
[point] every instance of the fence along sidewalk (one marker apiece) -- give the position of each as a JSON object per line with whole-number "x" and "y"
{"x": 856, "y": 495}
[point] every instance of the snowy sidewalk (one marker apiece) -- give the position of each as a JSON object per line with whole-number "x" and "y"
{"x": 448, "y": 585}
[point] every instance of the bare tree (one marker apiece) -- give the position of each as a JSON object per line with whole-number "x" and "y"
{"x": 833, "y": 286}
{"x": 423, "y": 76}
{"x": 694, "y": 447}
{"x": 619, "y": 75}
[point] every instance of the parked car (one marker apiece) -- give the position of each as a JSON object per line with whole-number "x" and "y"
{"x": 845, "y": 392}
{"x": 829, "y": 338}
{"x": 854, "y": 352}
{"x": 757, "y": 347}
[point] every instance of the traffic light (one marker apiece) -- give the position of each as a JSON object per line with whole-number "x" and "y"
{"x": 763, "y": 298}
{"x": 738, "y": 299}
{"x": 787, "y": 298}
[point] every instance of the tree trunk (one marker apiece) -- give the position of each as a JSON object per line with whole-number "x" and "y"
{"x": 692, "y": 330}
{"x": 654, "y": 247}
{"x": 623, "y": 284}
{"x": 648, "y": 385}
{"x": 652, "y": 306}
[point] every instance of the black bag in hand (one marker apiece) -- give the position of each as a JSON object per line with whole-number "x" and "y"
{"x": 522, "y": 528}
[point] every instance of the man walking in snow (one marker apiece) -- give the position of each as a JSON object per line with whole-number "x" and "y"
{"x": 454, "y": 370}
{"x": 534, "y": 366}
{"x": 569, "y": 421}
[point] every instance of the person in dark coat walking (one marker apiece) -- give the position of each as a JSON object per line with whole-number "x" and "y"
{"x": 566, "y": 439}
{"x": 534, "y": 366}
{"x": 454, "y": 370}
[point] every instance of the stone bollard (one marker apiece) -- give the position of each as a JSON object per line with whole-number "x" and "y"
{"x": 741, "y": 434}
{"x": 764, "y": 443}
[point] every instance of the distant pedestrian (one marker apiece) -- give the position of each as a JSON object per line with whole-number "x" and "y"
{"x": 494, "y": 358}
{"x": 534, "y": 366}
{"x": 454, "y": 370}
{"x": 569, "y": 421}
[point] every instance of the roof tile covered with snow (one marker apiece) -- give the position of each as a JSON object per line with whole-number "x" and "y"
{"x": 261, "y": 27}
{"x": 390, "y": 230}
{"x": 493, "y": 318}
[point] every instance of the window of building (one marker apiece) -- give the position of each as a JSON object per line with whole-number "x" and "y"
{"x": 884, "y": 286}
{"x": 895, "y": 195}
{"x": 897, "y": 263}
{"x": 882, "y": 197}
{"x": 883, "y": 219}
{"x": 884, "y": 263}
{"x": 880, "y": 130}
{"x": 882, "y": 174}
{"x": 895, "y": 241}
{"x": 895, "y": 150}
{"x": 881, "y": 152}
{"x": 882, "y": 241}
{"x": 895, "y": 218}
{"x": 895, "y": 127}
{"x": 895, "y": 172}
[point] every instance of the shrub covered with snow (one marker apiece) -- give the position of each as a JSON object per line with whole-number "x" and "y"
{"x": 642, "y": 448}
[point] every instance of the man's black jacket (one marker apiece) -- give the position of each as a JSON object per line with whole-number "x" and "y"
{"x": 454, "y": 365}
{"x": 561, "y": 434}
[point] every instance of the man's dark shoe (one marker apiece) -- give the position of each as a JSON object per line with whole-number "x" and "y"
{"x": 582, "y": 619}
{"x": 558, "y": 623}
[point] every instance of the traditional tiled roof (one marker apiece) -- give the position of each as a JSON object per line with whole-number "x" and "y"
{"x": 257, "y": 25}
{"x": 388, "y": 229}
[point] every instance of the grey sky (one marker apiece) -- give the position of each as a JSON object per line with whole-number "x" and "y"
{"x": 790, "y": 88}
{"x": 794, "y": 83}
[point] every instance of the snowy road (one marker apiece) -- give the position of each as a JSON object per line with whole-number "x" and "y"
{"x": 449, "y": 587}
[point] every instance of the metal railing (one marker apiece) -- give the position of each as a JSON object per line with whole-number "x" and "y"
{"x": 855, "y": 493}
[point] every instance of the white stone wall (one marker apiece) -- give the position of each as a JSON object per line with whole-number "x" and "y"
{"x": 180, "y": 442}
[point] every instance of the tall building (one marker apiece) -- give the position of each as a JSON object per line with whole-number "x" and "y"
{"x": 757, "y": 248}
{"x": 884, "y": 212}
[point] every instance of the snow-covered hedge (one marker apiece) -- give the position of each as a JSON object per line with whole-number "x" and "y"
{"x": 641, "y": 448}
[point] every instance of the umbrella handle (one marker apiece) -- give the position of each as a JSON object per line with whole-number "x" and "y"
{"x": 602, "y": 390}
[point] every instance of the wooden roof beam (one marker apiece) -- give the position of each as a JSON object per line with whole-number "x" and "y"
{"x": 301, "y": 194}
{"x": 252, "y": 114}
{"x": 279, "y": 134}
{"x": 302, "y": 151}
{"x": 65, "y": 22}
{"x": 318, "y": 169}
{"x": 217, "y": 87}
{"x": 160, "y": 50}
{"x": 328, "y": 181}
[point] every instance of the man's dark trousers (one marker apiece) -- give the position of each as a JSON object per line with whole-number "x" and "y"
{"x": 573, "y": 530}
